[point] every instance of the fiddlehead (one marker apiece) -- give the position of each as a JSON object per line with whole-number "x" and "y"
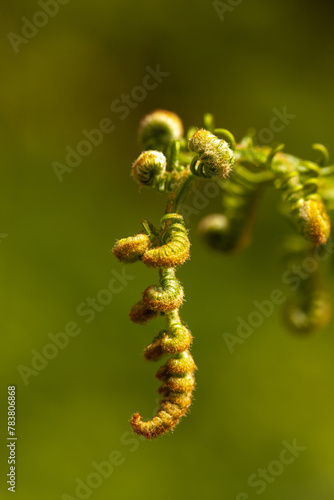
{"x": 215, "y": 158}
{"x": 150, "y": 168}
{"x": 175, "y": 340}
{"x": 170, "y": 164}
{"x": 255, "y": 169}
{"x": 157, "y": 130}
{"x": 169, "y": 168}
{"x": 176, "y": 375}
{"x": 299, "y": 182}
{"x": 309, "y": 309}
{"x": 129, "y": 250}
{"x": 167, "y": 296}
{"x": 231, "y": 230}
{"x": 175, "y": 247}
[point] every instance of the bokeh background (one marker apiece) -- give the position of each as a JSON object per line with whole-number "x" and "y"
{"x": 276, "y": 386}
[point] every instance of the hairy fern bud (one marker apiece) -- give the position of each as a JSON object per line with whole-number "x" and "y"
{"x": 299, "y": 182}
{"x": 149, "y": 168}
{"x": 214, "y": 154}
{"x": 140, "y": 313}
{"x": 158, "y": 129}
{"x": 176, "y": 245}
{"x": 167, "y": 296}
{"x": 174, "y": 340}
{"x": 131, "y": 249}
{"x": 315, "y": 222}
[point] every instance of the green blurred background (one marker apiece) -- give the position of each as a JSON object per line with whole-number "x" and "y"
{"x": 276, "y": 386}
